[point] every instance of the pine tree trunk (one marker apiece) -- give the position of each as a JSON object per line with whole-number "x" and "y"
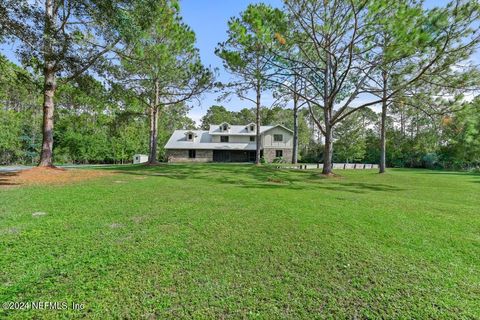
{"x": 383, "y": 139}
{"x": 327, "y": 113}
{"x": 328, "y": 150}
{"x": 257, "y": 125}
{"x": 383, "y": 126}
{"x": 295, "y": 129}
{"x": 402, "y": 122}
{"x": 49, "y": 87}
{"x": 152, "y": 155}
{"x": 46, "y": 156}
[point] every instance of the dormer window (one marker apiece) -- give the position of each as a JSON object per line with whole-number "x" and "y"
{"x": 224, "y": 127}
{"x": 190, "y": 136}
{"x": 250, "y": 127}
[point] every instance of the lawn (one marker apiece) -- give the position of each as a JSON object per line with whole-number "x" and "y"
{"x": 236, "y": 241}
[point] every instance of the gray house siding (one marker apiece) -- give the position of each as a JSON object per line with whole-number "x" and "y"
{"x": 268, "y": 140}
{"x": 270, "y": 146}
{"x": 270, "y": 154}
{"x": 181, "y": 155}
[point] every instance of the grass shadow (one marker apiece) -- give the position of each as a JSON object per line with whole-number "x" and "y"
{"x": 449, "y": 173}
{"x": 469, "y": 174}
{"x": 251, "y": 176}
{"x": 5, "y": 178}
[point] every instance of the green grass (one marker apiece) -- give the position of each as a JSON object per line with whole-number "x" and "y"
{"x": 234, "y": 241}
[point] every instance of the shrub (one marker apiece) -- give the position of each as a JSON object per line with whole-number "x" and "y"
{"x": 431, "y": 161}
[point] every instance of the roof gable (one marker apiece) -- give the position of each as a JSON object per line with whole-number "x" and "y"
{"x": 278, "y": 126}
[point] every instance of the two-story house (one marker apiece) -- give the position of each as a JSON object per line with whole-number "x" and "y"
{"x": 229, "y": 143}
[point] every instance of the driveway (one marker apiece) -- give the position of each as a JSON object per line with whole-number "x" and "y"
{"x": 13, "y": 168}
{"x": 20, "y": 167}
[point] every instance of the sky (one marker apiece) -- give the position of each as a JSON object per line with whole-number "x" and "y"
{"x": 208, "y": 19}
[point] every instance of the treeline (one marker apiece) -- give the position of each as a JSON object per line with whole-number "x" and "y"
{"x": 415, "y": 139}
{"x": 93, "y": 124}
{"x": 381, "y": 81}
{"x": 112, "y": 78}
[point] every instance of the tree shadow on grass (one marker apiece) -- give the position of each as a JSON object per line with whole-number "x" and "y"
{"x": 356, "y": 186}
{"x": 250, "y": 176}
{"x": 6, "y": 178}
{"x": 448, "y": 173}
{"x": 475, "y": 175}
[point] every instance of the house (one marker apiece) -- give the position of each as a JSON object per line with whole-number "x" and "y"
{"x": 229, "y": 143}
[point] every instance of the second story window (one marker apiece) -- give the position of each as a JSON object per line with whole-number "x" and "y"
{"x": 223, "y": 138}
{"x": 278, "y": 137}
{"x": 190, "y": 136}
{"x": 252, "y": 127}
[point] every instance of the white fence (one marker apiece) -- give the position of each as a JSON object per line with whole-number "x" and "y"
{"x": 335, "y": 166}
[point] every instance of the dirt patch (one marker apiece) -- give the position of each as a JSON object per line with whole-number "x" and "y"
{"x": 275, "y": 180}
{"x": 331, "y": 175}
{"x": 48, "y": 176}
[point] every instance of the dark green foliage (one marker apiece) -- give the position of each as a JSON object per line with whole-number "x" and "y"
{"x": 93, "y": 124}
{"x": 219, "y": 114}
{"x": 351, "y": 136}
{"x": 19, "y": 114}
{"x": 461, "y": 134}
